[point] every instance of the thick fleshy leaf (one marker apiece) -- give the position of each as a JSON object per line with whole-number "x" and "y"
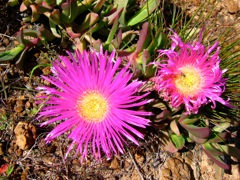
{"x": 197, "y": 139}
{"x": 70, "y": 32}
{"x": 144, "y": 12}
{"x": 185, "y": 119}
{"x": 146, "y": 57}
{"x": 53, "y": 28}
{"x": 116, "y": 14}
{"x": 143, "y": 38}
{"x": 117, "y": 40}
{"x": 220, "y": 137}
{"x": 49, "y": 2}
{"x": 35, "y": 14}
{"x": 211, "y": 149}
{"x": 174, "y": 127}
{"x": 178, "y": 141}
{"x": 112, "y": 32}
{"x": 187, "y": 123}
{"x": 221, "y": 127}
{"x": 214, "y": 154}
{"x": 122, "y": 4}
{"x": 69, "y": 11}
{"x": 55, "y": 16}
{"x": 98, "y": 5}
{"x": 84, "y": 5}
{"x": 11, "y": 54}
{"x": 167, "y": 143}
{"x": 159, "y": 41}
{"x": 89, "y": 21}
{"x": 230, "y": 150}
{"x": 23, "y": 6}
{"x": 12, "y": 2}
{"x": 201, "y": 132}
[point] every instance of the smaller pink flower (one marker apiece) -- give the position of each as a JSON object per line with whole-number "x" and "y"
{"x": 191, "y": 75}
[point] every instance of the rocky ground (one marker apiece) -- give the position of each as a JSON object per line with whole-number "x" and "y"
{"x": 23, "y": 150}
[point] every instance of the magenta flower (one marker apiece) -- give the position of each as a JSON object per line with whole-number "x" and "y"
{"x": 191, "y": 75}
{"x": 95, "y": 101}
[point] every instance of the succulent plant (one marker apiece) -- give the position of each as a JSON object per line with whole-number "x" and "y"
{"x": 27, "y": 38}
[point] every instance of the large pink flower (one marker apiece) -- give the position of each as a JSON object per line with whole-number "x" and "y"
{"x": 190, "y": 75}
{"x": 95, "y": 101}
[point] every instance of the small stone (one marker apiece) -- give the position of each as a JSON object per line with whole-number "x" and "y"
{"x": 115, "y": 163}
{"x": 231, "y": 5}
{"x": 26, "y": 133}
{"x": 166, "y": 173}
{"x": 126, "y": 164}
{"x": 27, "y": 104}
{"x": 5, "y": 41}
{"x": 18, "y": 109}
{"x": 139, "y": 158}
{"x": 46, "y": 71}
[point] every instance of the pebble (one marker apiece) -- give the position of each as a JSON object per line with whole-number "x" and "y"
{"x": 231, "y": 5}
{"x": 26, "y": 134}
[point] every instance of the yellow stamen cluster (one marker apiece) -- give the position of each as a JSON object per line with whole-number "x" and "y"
{"x": 92, "y": 106}
{"x": 189, "y": 82}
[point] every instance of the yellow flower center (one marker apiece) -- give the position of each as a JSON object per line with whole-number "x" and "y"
{"x": 92, "y": 106}
{"x": 189, "y": 81}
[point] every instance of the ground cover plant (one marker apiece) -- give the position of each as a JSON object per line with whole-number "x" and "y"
{"x": 103, "y": 78}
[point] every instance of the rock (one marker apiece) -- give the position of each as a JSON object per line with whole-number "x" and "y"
{"x": 26, "y": 134}
{"x": 139, "y": 158}
{"x": 231, "y": 5}
{"x": 46, "y": 71}
{"x": 176, "y": 169}
{"x": 115, "y": 164}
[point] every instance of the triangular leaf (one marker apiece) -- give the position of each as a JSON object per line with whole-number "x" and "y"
{"x": 201, "y": 132}
{"x": 178, "y": 141}
{"x": 230, "y": 150}
{"x": 217, "y": 160}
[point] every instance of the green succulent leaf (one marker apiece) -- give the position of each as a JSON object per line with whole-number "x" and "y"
{"x": 53, "y": 28}
{"x": 122, "y": 4}
{"x": 55, "y": 16}
{"x": 69, "y": 11}
{"x": 24, "y": 6}
{"x": 144, "y": 12}
{"x": 230, "y": 150}
{"x": 12, "y": 2}
{"x": 218, "y": 137}
{"x": 50, "y": 2}
{"x": 90, "y": 19}
{"x": 98, "y": 6}
{"x": 221, "y": 127}
{"x": 214, "y": 154}
{"x": 112, "y": 32}
{"x": 59, "y": 2}
{"x": 188, "y": 123}
{"x": 185, "y": 119}
{"x": 11, "y": 54}
{"x": 201, "y": 132}
{"x": 159, "y": 41}
{"x": 168, "y": 143}
{"x": 178, "y": 141}
{"x": 35, "y": 13}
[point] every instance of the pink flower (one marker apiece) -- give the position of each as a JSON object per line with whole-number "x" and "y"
{"x": 190, "y": 75}
{"x": 95, "y": 101}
